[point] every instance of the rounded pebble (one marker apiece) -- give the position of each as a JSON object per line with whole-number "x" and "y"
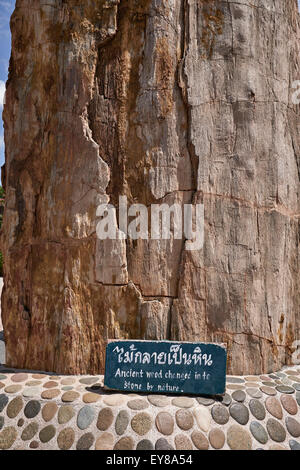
{"x": 114, "y": 400}
{"x": 85, "y": 442}
{"x": 69, "y": 397}
{"x": 65, "y": 414}
{"x": 13, "y": 388}
{"x": 105, "y": 442}
{"x": 182, "y": 442}
{"x": 184, "y": 419}
{"x": 66, "y": 439}
{"x": 183, "y": 402}
{"x": 14, "y": 407}
{"x": 163, "y": 444}
{"x": 47, "y": 434}
{"x": 203, "y": 417}
{"x": 240, "y": 413}
{"x": 238, "y": 438}
{"x": 105, "y": 419}
{"x": 125, "y": 443}
{"x": 294, "y": 445}
{"x": 259, "y": 432}
{"x": 21, "y": 377}
{"x": 7, "y": 437}
{"x": 293, "y": 426}
{"x": 145, "y": 444}
{"x": 268, "y": 390}
{"x": 239, "y": 396}
{"x": 257, "y": 409}
{"x": 159, "y": 400}
{"x": 50, "y": 394}
{"x": 90, "y": 397}
{"x": 122, "y": 422}
{"x": 217, "y": 438}
{"x": 289, "y": 404}
{"x": 285, "y": 389}
{"x": 220, "y": 414}
{"x": 32, "y": 409}
{"x": 276, "y": 430}
{"x": 30, "y": 431}
{"x": 49, "y": 411}
{"x": 205, "y": 401}
{"x": 137, "y": 404}
{"x": 141, "y": 423}
{"x": 85, "y": 417}
{"x": 274, "y": 407}
{"x": 164, "y": 423}
{"x": 254, "y": 393}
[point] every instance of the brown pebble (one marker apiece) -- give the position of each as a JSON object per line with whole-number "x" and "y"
{"x": 182, "y": 442}
{"x": 289, "y": 404}
{"x": 200, "y": 440}
{"x": 50, "y": 394}
{"x": 68, "y": 397}
{"x": 217, "y": 438}
{"x": 125, "y": 443}
{"x": 49, "y": 411}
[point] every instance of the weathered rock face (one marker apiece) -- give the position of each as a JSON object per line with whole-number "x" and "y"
{"x": 183, "y": 101}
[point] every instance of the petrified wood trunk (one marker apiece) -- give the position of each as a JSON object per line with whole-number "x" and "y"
{"x": 162, "y": 101}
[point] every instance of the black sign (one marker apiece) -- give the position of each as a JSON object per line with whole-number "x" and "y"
{"x": 166, "y": 367}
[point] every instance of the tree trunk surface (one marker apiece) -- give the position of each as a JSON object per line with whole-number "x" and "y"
{"x": 162, "y": 101}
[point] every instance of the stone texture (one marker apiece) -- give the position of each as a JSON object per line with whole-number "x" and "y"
{"x": 274, "y": 407}
{"x": 32, "y": 409}
{"x": 163, "y": 444}
{"x": 85, "y": 417}
{"x": 66, "y": 438}
{"x": 7, "y": 437}
{"x": 47, "y": 433}
{"x": 69, "y": 397}
{"x": 183, "y": 402}
{"x": 294, "y": 445}
{"x": 145, "y": 444}
{"x": 192, "y": 114}
{"x": 159, "y": 400}
{"x": 105, "y": 442}
{"x": 164, "y": 423}
{"x": 105, "y": 419}
{"x": 239, "y": 412}
{"x": 239, "y": 396}
{"x": 122, "y": 422}
{"x": 30, "y": 431}
{"x": 259, "y": 432}
{"x": 137, "y": 404}
{"x": 276, "y": 430}
{"x": 184, "y": 419}
{"x": 65, "y": 414}
{"x": 220, "y": 414}
{"x": 49, "y": 411}
{"x": 85, "y": 442}
{"x": 90, "y": 397}
{"x": 257, "y": 409}
{"x": 114, "y": 400}
{"x": 293, "y": 426}
{"x": 14, "y": 407}
{"x": 53, "y": 393}
{"x": 217, "y": 438}
{"x": 238, "y": 438}
{"x": 141, "y": 423}
{"x": 125, "y": 443}
{"x": 203, "y": 417}
{"x": 182, "y": 442}
{"x": 289, "y": 404}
